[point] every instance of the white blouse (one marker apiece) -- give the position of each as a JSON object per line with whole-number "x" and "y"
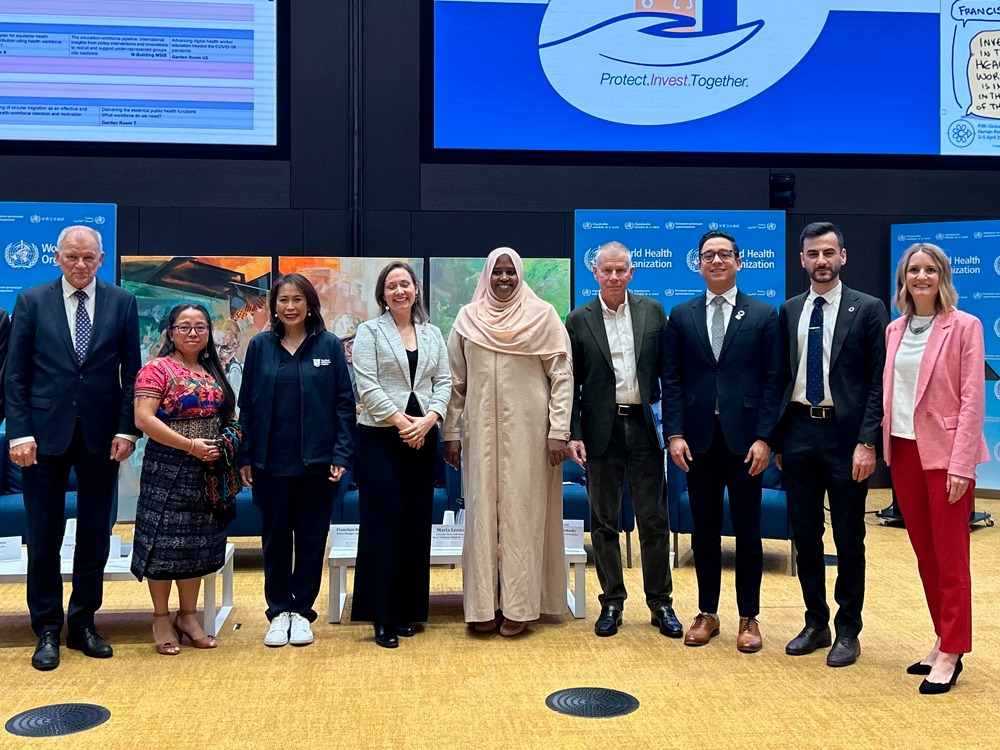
{"x": 906, "y": 373}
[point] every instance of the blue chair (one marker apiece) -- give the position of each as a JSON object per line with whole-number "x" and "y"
{"x": 13, "y": 519}
{"x": 774, "y": 521}
{"x": 576, "y": 505}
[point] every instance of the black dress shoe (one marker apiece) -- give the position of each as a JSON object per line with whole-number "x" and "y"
{"x": 609, "y": 621}
{"x": 385, "y": 637}
{"x": 46, "y": 654}
{"x": 844, "y": 653}
{"x": 90, "y": 642}
{"x": 667, "y": 621}
{"x": 808, "y": 641}
{"x": 937, "y": 688}
{"x": 405, "y": 630}
{"x": 919, "y": 668}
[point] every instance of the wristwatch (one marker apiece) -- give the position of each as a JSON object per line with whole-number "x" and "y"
{"x": 869, "y": 446}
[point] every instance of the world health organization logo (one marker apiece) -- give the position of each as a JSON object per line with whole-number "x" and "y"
{"x": 669, "y": 225}
{"x": 996, "y": 265}
{"x": 996, "y": 327}
{"x": 21, "y": 254}
{"x": 586, "y": 225}
{"x": 996, "y": 451}
{"x": 692, "y": 262}
{"x": 629, "y": 225}
{"x": 99, "y": 220}
{"x": 772, "y": 293}
{"x": 900, "y": 237}
{"x": 590, "y": 258}
{"x": 978, "y": 235}
{"x": 670, "y": 293}
{"x": 35, "y": 219}
{"x": 996, "y": 390}
{"x": 713, "y": 226}
{"x": 587, "y": 292}
{"x": 977, "y": 295}
{"x": 771, "y": 226}
{"x": 939, "y": 236}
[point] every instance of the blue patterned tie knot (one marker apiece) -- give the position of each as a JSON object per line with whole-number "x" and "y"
{"x": 83, "y": 325}
{"x": 815, "y": 391}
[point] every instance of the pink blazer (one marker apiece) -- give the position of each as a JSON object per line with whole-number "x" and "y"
{"x": 951, "y": 394}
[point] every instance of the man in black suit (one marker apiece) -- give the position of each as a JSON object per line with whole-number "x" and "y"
{"x": 617, "y": 342}
{"x": 4, "y": 340}
{"x": 834, "y": 340}
{"x": 721, "y": 390}
{"x": 74, "y": 355}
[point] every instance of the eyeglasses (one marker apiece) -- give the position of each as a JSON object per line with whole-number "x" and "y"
{"x": 200, "y": 329}
{"x": 226, "y": 348}
{"x": 708, "y": 256}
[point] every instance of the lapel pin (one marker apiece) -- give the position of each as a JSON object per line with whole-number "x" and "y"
{"x": 850, "y": 309}
{"x": 740, "y": 314}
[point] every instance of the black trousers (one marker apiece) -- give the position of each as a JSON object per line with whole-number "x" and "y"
{"x": 814, "y": 465}
{"x": 45, "y": 507}
{"x": 632, "y": 452}
{"x": 296, "y": 515}
{"x": 710, "y": 475}
{"x": 396, "y": 495}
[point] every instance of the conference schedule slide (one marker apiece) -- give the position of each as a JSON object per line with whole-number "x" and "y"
{"x": 664, "y": 247}
{"x": 973, "y": 247}
{"x": 139, "y": 71}
{"x": 28, "y": 234}
{"x": 915, "y": 77}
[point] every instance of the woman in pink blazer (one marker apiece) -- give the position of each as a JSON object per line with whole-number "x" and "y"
{"x": 934, "y": 396}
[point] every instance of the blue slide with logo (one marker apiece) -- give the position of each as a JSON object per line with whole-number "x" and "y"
{"x": 770, "y": 76}
{"x": 28, "y": 234}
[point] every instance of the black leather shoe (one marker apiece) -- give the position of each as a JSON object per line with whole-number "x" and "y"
{"x": 405, "y": 630}
{"x": 808, "y": 641}
{"x": 937, "y": 688}
{"x": 844, "y": 653}
{"x": 46, "y": 654}
{"x": 385, "y": 637}
{"x": 90, "y": 642}
{"x": 667, "y": 621}
{"x": 919, "y": 668}
{"x": 609, "y": 621}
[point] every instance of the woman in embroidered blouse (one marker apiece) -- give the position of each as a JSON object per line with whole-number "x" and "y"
{"x": 181, "y": 398}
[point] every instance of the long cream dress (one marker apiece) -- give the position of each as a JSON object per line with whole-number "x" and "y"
{"x": 504, "y": 407}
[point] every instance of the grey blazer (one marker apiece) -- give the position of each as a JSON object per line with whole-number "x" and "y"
{"x": 383, "y": 372}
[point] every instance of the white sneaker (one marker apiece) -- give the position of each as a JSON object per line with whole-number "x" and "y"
{"x": 302, "y": 634}
{"x": 277, "y": 634}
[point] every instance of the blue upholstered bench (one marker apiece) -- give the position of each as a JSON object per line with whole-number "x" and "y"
{"x": 774, "y": 522}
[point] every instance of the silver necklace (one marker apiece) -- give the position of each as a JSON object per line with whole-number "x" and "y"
{"x": 921, "y": 329}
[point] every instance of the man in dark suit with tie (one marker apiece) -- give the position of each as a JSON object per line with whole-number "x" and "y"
{"x": 721, "y": 391}
{"x": 617, "y": 342}
{"x": 74, "y": 355}
{"x": 834, "y": 340}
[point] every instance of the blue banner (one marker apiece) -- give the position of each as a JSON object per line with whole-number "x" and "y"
{"x": 28, "y": 234}
{"x": 973, "y": 247}
{"x": 664, "y": 247}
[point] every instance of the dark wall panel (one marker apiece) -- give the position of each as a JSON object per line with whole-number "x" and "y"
{"x": 472, "y": 234}
{"x": 128, "y": 230}
{"x": 461, "y": 187}
{"x": 204, "y": 231}
{"x": 325, "y": 233}
{"x": 385, "y": 234}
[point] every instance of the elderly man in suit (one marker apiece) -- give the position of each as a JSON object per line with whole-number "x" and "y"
{"x": 617, "y": 342}
{"x": 830, "y": 425}
{"x": 74, "y": 355}
{"x": 721, "y": 390}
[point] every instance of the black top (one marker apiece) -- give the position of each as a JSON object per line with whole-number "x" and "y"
{"x": 284, "y": 444}
{"x": 413, "y": 406}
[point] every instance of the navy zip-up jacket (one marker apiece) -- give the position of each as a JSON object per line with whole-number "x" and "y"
{"x": 329, "y": 426}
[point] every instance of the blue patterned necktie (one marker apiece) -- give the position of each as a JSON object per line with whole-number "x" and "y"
{"x": 814, "y": 356}
{"x": 83, "y": 326}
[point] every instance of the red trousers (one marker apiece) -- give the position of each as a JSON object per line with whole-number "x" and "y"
{"x": 939, "y": 533}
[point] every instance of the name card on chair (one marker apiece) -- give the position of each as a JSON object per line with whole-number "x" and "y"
{"x": 344, "y": 536}
{"x": 10, "y": 548}
{"x": 447, "y": 536}
{"x": 573, "y": 534}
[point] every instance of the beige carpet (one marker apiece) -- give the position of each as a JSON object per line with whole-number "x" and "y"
{"x": 448, "y": 688}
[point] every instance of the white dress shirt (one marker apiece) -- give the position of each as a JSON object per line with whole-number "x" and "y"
{"x": 830, "y": 310}
{"x": 727, "y": 310}
{"x": 70, "y": 303}
{"x": 618, "y": 325}
{"x": 905, "y": 373}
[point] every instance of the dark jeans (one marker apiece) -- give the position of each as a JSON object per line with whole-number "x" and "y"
{"x": 630, "y": 451}
{"x": 45, "y": 506}
{"x": 815, "y": 465}
{"x": 396, "y": 496}
{"x": 710, "y": 475}
{"x": 296, "y": 514}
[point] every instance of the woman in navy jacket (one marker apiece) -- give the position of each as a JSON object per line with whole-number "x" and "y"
{"x": 297, "y": 410}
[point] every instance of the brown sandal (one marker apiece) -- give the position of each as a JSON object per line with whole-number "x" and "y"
{"x": 168, "y": 648}
{"x": 206, "y": 641}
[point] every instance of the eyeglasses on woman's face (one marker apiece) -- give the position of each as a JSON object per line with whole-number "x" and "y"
{"x": 201, "y": 329}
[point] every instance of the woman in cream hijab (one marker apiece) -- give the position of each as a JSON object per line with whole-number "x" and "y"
{"x": 510, "y": 411}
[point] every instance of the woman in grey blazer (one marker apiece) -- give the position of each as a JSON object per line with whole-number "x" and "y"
{"x": 403, "y": 379}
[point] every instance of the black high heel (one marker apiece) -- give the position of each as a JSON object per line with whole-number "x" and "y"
{"x": 938, "y": 688}
{"x": 919, "y": 668}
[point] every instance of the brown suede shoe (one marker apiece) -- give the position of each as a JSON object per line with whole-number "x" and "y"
{"x": 510, "y": 628}
{"x": 704, "y": 629}
{"x": 488, "y": 626}
{"x": 749, "y": 640}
